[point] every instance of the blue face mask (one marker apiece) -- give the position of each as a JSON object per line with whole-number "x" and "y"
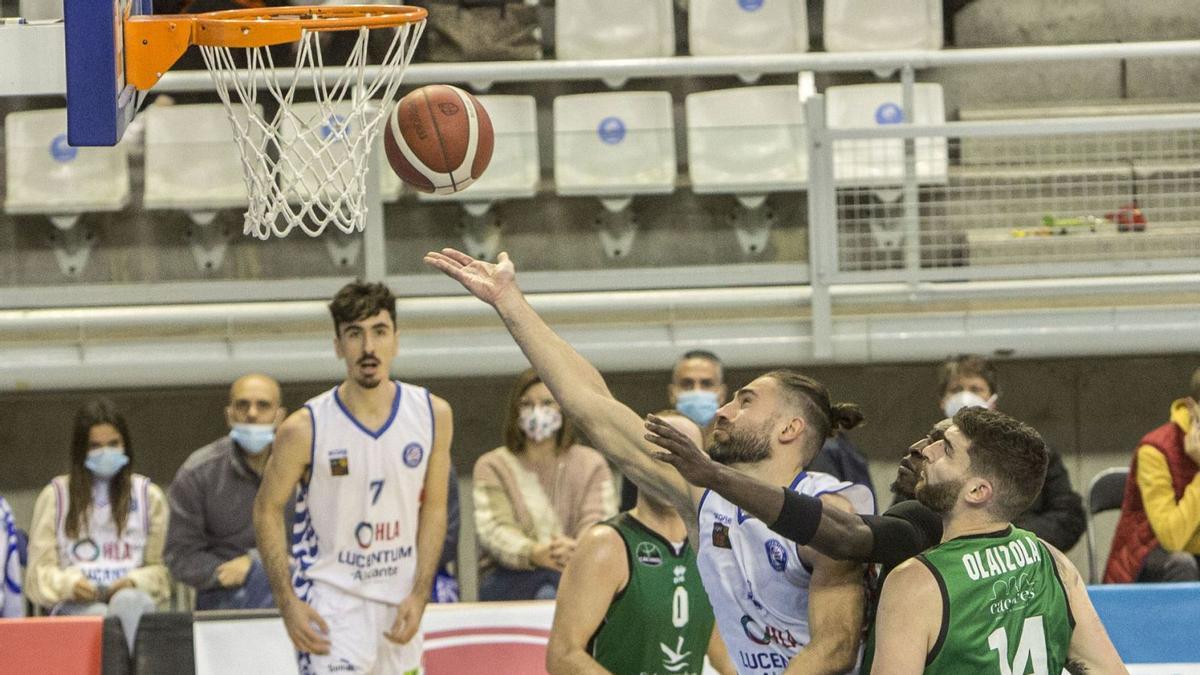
{"x": 698, "y": 405}
{"x": 104, "y": 463}
{"x": 253, "y": 438}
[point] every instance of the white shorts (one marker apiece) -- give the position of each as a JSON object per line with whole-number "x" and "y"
{"x": 357, "y": 644}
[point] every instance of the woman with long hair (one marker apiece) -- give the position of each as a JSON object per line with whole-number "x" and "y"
{"x": 534, "y": 496}
{"x": 98, "y": 531}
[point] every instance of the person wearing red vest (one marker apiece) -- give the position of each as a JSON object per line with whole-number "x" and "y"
{"x": 1158, "y": 534}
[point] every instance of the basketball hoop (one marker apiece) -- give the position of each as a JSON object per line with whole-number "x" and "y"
{"x": 305, "y": 170}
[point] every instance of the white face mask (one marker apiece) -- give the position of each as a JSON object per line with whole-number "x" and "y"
{"x": 966, "y": 399}
{"x": 540, "y": 422}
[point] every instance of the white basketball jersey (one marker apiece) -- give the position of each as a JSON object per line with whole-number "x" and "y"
{"x": 356, "y": 518}
{"x": 103, "y": 556}
{"x": 756, "y": 583}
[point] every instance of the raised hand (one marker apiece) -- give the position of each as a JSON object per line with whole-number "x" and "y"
{"x": 693, "y": 463}
{"x": 486, "y": 281}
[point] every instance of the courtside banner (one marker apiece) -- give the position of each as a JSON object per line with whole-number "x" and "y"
{"x": 499, "y": 638}
{"x": 1153, "y": 626}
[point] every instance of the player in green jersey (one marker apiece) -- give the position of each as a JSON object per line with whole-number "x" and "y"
{"x": 991, "y": 598}
{"x": 631, "y": 600}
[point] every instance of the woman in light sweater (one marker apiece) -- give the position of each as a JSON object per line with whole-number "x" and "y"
{"x": 534, "y": 496}
{"x": 97, "y": 538}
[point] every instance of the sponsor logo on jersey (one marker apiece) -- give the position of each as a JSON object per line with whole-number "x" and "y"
{"x": 367, "y": 534}
{"x": 674, "y": 660}
{"x": 339, "y": 462}
{"x": 1013, "y": 593}
{"x": 680, "y": 571}
{"x": 85, "y": 550}
{"x": 777, "y": 555}
{"x": 768, "y": 634}
{"x": 648, "y": 554}
{"x": 720, "y": 536}
{"x": 763, "y": 660}
{"x": 413, "y": 452}
{"x": 342, "y": 666}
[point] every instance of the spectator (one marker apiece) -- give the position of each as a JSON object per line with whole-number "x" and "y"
{"x": 97, "y": 538}
{"x": 12, "y": 567}
{"x": 535, "y": 496}
{"x": 210, "y": 543}
{"x": 1158, "y": 534}
{"x": 1057, "y": 514}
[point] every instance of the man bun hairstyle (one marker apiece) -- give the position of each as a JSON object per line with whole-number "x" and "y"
{"x": 359, "y": 300}
{"x": 845, "y": 416}
{"x": 813, "y": 399}
{"x": 1007, "y": 452}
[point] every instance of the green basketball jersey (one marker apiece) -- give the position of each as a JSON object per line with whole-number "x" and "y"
{"x": 660, "y": 624}
{"x": 1004, "y": 607}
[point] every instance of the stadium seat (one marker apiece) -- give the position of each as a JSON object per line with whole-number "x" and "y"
{"x": 614, "y": 145}
{"x": 727, "y": 27}
{"x": 58, "y": 644}
{"x": 865, "y": 25}
{"x": 390, "y": 185}
{"x": 40, "y": 10}
{"x": 47, "y": 176}
{"x": 879, "y": 163}
{"x": 627, "y": 29}
{"x": 515, "y": 168}
{"x": 746, "y": 141}
{"x": 1105, "y": 493}
{"x": 211, "y": 178}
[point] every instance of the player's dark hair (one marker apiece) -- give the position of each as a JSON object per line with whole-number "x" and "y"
{"x": 966, "y": 365}
{"x": 514, "y": 436}
{"x": 812, "y": 398}
{"x": 359, "y": 300}
{"x": 1007, "y": 452}
{"x": 79, "y": 481}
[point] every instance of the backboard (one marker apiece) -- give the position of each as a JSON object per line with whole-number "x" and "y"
{"x": 100, "y": 104}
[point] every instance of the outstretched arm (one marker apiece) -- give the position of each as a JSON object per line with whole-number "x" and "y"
{"x": 576, "y": 384}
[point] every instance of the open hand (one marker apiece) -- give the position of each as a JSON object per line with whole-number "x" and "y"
{"x": 486, "y": 281}
{"x": 408, "y": 619}
{"x": 302, "y": 623}
{"x": 693, "y": 464}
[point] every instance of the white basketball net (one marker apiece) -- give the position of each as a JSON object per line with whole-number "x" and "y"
{"x": 306, "y": 165}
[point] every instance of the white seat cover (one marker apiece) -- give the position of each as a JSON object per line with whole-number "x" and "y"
{"x": 614, "y": 144}
{"x": 192, "y": 159}
{"x": 880, "y": 162}
{"x": 612, "y": 29}
{"x": 727, "y": 27}
{"x": 747, "y": 140}
{"x": 865, "y": 25}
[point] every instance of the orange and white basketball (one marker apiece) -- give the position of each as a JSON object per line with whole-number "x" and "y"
{"x": 439, "y": 139}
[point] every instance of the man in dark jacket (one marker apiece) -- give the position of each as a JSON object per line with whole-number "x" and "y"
{"x": 1057, "y": 514}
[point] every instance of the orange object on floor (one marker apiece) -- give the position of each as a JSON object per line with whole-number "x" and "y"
{"x": 52, "y": 644}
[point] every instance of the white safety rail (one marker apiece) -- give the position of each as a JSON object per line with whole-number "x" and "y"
{"x": 895, "y": 270}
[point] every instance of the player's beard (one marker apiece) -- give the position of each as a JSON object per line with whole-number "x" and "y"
{"x": 742, "y": 447}
{"x": 940, "y": 497}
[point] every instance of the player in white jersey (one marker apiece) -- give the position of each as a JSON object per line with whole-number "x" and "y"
{"x": 372, "y": 459}
{"x": 772, "y": 611}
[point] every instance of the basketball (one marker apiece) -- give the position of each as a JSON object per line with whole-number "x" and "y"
{"x": 439, "y": 139}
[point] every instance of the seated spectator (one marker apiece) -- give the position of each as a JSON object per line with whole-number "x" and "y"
{"x": 535, "y": 496}
{"x": 210, "y": 543}
{"x": 1057, "y": 514}
{"x": 1158, "y": 534}
{"x": 12, "y": 603}
{"x": 97, "y": 537}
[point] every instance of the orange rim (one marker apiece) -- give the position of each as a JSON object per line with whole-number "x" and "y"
{"x": 275, "y": 25}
